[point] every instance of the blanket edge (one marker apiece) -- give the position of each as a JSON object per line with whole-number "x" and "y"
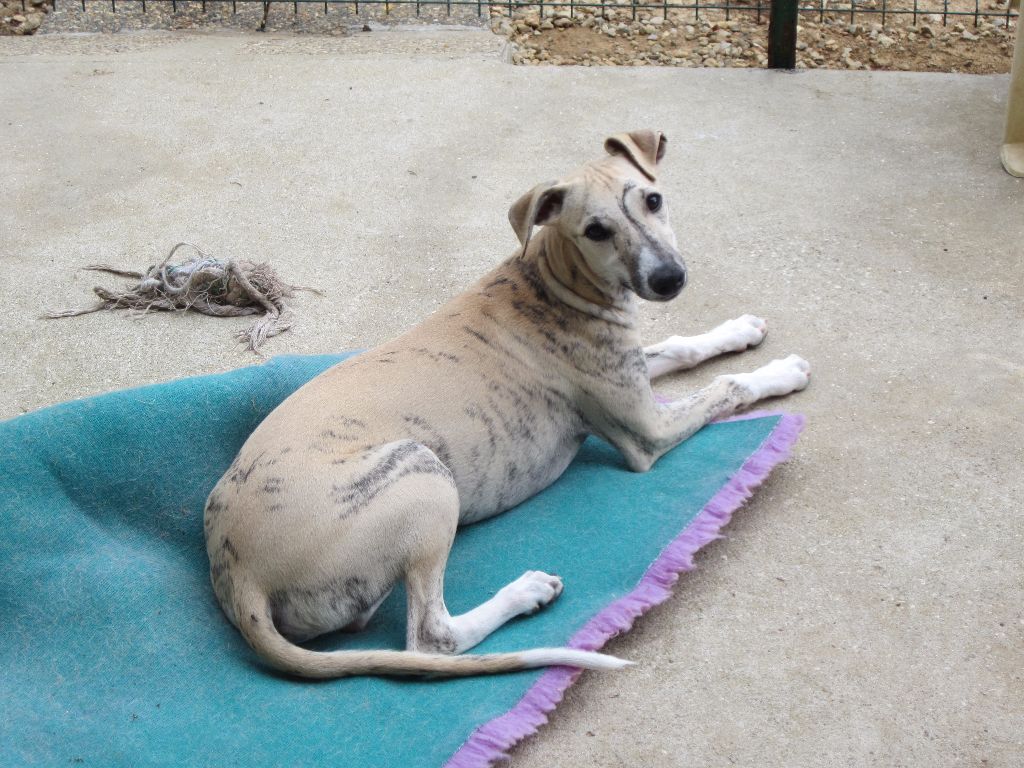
{"x": 490, "y": 742}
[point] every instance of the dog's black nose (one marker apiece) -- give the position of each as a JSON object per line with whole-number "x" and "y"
{"x": 667, "y": 280}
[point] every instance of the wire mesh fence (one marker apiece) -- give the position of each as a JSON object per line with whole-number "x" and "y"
{"x": 781, "y": 16}
{"x": 760, "y": 10}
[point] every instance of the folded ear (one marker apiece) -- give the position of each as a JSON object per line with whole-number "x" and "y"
{"x": 541, "y": 205}
{"x": 643, "y": 148}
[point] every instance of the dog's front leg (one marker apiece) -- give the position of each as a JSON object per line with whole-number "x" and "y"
{"x": 677, "y": 353}
{"x": 649, "y": 430}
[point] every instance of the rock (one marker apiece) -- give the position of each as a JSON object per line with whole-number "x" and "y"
{"x": 965, "y": 35}
{"x": 501, "y": 25}
{"x": 546, "y": 24}
{"x": 885, "y": 41}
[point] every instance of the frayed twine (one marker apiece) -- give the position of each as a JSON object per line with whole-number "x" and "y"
{"x": 203, "y": 284}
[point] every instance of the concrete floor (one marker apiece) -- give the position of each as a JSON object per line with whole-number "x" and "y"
{"x": 866, "y": 608}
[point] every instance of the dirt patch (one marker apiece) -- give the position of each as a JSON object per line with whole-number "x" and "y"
{"x": 614, "y": 37}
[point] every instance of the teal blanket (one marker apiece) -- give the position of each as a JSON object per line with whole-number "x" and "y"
{"x": 114, "y": 652}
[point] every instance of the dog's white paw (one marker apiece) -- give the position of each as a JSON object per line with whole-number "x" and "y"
{"x": 532, "y": 591}
{"x": 742, "y": 333}
{"x": 779, "y": 377}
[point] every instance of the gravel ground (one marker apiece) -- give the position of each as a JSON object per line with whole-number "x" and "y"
{"x": 306, "y": 18}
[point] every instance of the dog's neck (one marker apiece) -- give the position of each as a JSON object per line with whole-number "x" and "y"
{"x": 568, "y": 277}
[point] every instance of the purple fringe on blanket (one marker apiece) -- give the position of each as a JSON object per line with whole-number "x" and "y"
{"x": 489, "y": 743}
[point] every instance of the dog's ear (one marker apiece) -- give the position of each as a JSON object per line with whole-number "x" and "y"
{"x": 643, "y": 148}
{"x": 541, "y": 205}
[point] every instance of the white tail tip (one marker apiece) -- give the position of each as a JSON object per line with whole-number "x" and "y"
{"x": 569, "y": 657}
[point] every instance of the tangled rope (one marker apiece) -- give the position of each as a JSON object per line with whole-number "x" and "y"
{"x": 203, "y": 284}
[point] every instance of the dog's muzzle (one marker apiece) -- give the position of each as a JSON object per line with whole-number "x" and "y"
{"x": 667, "y": 281}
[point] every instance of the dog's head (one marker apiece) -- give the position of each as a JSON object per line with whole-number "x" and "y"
{"x": 615, "y": 215}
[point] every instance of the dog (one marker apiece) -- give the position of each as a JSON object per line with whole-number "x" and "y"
{"x": 361, "y": 477}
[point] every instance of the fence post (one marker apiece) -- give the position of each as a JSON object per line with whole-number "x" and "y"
{"x": 782, "y": 34}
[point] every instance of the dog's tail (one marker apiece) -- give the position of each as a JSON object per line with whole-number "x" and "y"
{"x": 256, "y": 623}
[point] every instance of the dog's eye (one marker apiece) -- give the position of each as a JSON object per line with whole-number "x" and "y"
{"x": 653, "y": 202}
{"x": 597, "y": 232}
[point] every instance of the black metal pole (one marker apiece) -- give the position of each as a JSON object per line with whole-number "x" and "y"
{"x": 782, "y": 35}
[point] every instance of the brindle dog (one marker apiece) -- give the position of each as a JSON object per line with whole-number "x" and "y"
{"x": 361, "y": 478}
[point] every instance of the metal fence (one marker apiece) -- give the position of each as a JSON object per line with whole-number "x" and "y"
{"x": 783, "y": 15}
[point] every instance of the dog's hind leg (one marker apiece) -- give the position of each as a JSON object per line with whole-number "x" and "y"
{"x": 430, "y": 628}
{"x": 677, "y": 353}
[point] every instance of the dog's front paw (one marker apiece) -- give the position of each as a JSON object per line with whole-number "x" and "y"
{"x": 532, "y": 591}
{"x": 779, "y": 377}
{"x": 742, "y": 333}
